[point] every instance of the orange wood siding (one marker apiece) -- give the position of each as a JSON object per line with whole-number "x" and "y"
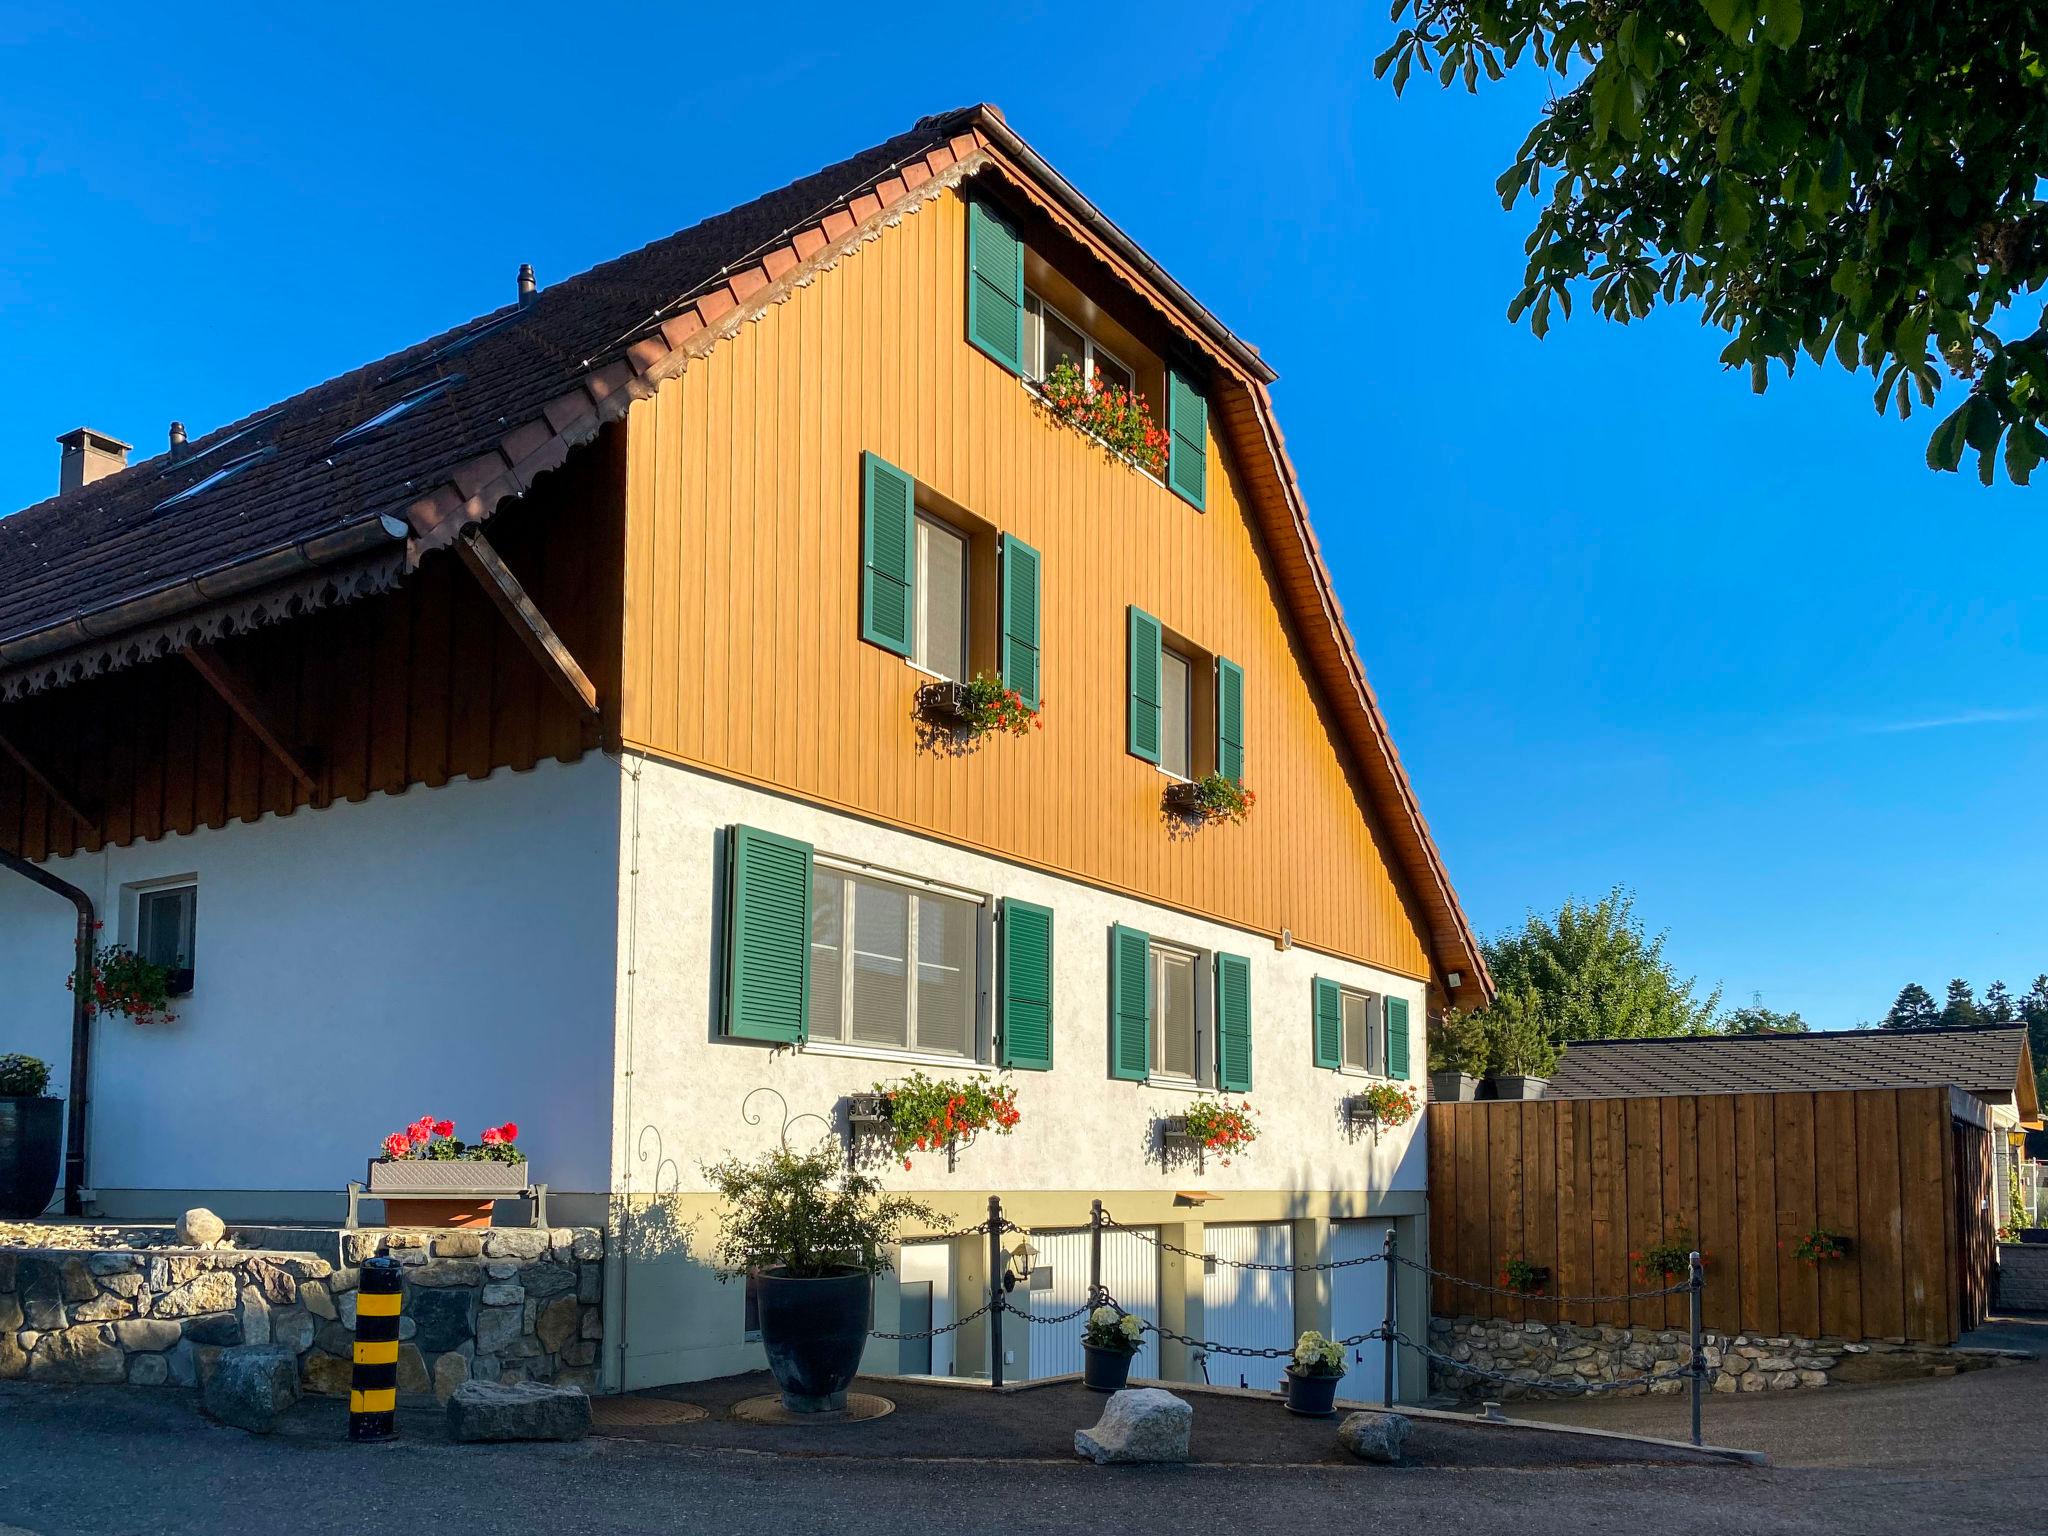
{"x": 742, "y": 628}
{"x": 416, "y": 686}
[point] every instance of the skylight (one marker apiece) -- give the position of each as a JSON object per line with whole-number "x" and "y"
{"x": 399, "y": 407}
{"x": 462, "y": 343}
{"x": 226, "y": 471}
{"x": 192, "y": 456}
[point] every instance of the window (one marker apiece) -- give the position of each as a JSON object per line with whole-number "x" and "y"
{"x": 165, "y": 921}
{"x": 1176, "y": 1028}
{"x": 1361, "y": 1041}
{"x": 939, "y": 640}
{"x": 893, "y": 966}
{"x": 405, "y": 403}
{"x": 1050, "y": 339}
{"x": 1176, "y": 714}
{"x": 227, "y": 471}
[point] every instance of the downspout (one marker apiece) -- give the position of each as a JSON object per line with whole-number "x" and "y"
{"x": 81, "y": 1025}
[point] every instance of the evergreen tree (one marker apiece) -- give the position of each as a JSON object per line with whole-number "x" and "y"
{"x": 1914, "y": 1008}
{"x": 2034, "y": 1010}
{"x": 1998, "y": 1006}
{"x": 1961, "y": 1010}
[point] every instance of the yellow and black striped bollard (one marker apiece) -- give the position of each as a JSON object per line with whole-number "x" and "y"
{"x": 373, "y": 1387}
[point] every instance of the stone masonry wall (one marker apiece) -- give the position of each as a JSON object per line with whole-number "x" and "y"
{"x": 1559, "y": 1354}
{"x": 2023, "y": 1277}
{"x": 501, "y": 1304}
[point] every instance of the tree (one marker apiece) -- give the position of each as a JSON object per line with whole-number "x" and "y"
{"x": 1756, "y": 1019}
{"x": 2034, "y": 1010}
{"x": 1960, "y": 1011}
{"x": 1590, "y": 972}
{"x": 1914, "y": 1009}
{"x": 1998, "y": 1006}
{"x": 1855, "y": 180}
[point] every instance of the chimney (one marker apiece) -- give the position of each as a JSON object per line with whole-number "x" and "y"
{"x": 177, "y": 439}
{"x": 89, "y": 456}
{"x": 528, "y": 289}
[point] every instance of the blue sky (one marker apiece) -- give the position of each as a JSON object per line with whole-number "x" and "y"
{"x": 1631, "y": 623}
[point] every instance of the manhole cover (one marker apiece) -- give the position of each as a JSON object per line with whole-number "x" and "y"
{"x": 769, "y": 1410}
{"x": 642, "y": 1412}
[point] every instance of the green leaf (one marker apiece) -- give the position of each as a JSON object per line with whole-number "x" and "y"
{"x": 1694, "y": 229}
{"x": 1734, "y": 209}
{"x": 1781, "y": 19}
{"x": 2025, "y": 447}
{"x": 1945, "y": 447}
{"x": 1722, "y": 14}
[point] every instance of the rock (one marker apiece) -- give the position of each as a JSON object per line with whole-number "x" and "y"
{"x": 110, "y": 1263}
{"x": 42, "y": 1293}
{"x": 333, "y": 1339}
{"x": 1781, "y": 1380}
{"x": 221, "y": 1328}
{"x": 345, "y": 1304}
{"x": 1776, "y": 1363}
{"x": 76, "y": 1278}
{"x": 443, "y": 1318}
{"x": 210, "y": 1292}
{"x": 588, "y": 1246}
{"x": 446, "y": 1272}
{"x": 250, "y": 1388}
{"x": 78, "y": 1354}
{"x": 590, "y": 1283}
{"x": 450, "y": 1372}
{"x": 481, "y": 1410}
{"x": 317, "y": 1301}
{"x": 515, "y": 1243}
{"x": 497, "y": 1327}
{"x": 292, "y": 1330}
{"x": 328, "y": 1375}
{"x": 147, "y": 1333}
{"x": 102, "y": 1309}
{"x": 593, "y": 1322}
{"x": 548, "y": 1279}
{"x": 458, "y": 1245}
{"x": 148, "y": 1371}
{"x": 582, "y": 1352}
{"x": 13, "y": 1362}
{"x": 1813, "y": 1378}
{"x": 278, "y": 1286}
{"x": 128, "y": 1285}
{"x": 1139, "y": 1424}
{"x": 502, "y": 1269}
{"x": 1374, "y": 1436}
{"x": 343, "y": 1280}
{"x": 200, "y": 1228}
{"x": 581, "y": 1378}
{"x": 412, "y": 1370}
{"x": 10, "y": 1314}
{"x": 501, "y": 1293}
{"x": 557, "y": 1323}
{"x": 1726, "y": 1383}
{"x": 255, "y": 1316}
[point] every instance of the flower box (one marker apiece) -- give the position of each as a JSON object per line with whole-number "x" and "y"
{"x": 438, "y": 1179}
{"x": 944, "y": 703}
{"x": 1184, "y": 798}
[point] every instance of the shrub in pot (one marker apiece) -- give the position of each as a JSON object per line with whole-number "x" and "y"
{"x": 426, "y": 1177}
{"x": 814, "y": 1234}
{"x": 1107, "y": 1345}
{"x": 31, "y": 1137}
{"x": 1313, "y": 1374}
{"x": 1457, "y": 1057}
{"x": 1520, "y": 1052}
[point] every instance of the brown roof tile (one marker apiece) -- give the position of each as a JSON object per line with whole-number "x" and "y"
{"x": 1982, "y": 1061}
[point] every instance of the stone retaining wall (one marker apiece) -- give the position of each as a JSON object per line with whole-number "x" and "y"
{"x": 2023, "y": 1277}
{"x": 502, "y": 1304}
{"x": 1557, "y": 1354}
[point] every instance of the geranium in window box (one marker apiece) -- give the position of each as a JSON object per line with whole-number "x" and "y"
{"x": 976, "y": 708}
{"x": 436, "y": 1180}
{"x": 119, "y": 981}
{"x": 921, "y": 1113}
{"x": 1215, "y": 1124}
{"x": 1382, "y": 1106}
{"x": 1119, "y": 418}
{"x": 1216, "y": 797}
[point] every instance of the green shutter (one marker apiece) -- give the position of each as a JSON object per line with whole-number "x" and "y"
{"x": 1329, "y": 1027}
{"x": 1233, "y": 1023}
{"x": 1230, "y": 720}
{"x": 767, "y": 936}
{"x": 1144, "y": 686}
{"x": 1130, "y": 1003}
{"x": 995, "y": 286}
{"x": 888, "y": 569}
{"x": 1020, "y": 618}
{"x": 1027, "y": 986}
{"x": 1187, "y": 431}
{"x": 1397, "y": 1037}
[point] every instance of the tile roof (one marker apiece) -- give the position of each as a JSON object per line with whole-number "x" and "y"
{"x": 1983, "y": 1061}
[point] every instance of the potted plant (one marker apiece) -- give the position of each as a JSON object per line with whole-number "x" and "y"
{"x": 1108, "y": 1342}
{"x": 1667, "y": 1262}
{"x": 1120, "y": 418}
{"x": 31, "y": 1137}
{"x": 439, "y": 1181}
{"x": 925, "y": 1114}
{"x": 974, "y": 709}
{"x": 1313, "y": 1374}
{"x": 1384, "y": 1106}
{"x": 1457, "y": 1057}
{"x": 1523, "y": 1278}
{"x": 1519, "y": 1050}
{"x": 1214, "y": 1124}
{"x": 120, "y": 981}
{"x": 814, "y": 1235}
{"x": 1820, "y": 1246}
{"x": 1213, "y": 797}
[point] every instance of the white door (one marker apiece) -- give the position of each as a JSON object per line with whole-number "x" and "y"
{"x": 925, "y": 1273}
{"x": 1247, "y": 1308}
{"x": 1358, "y": 1300}
{"x": 1130, "y": 1272}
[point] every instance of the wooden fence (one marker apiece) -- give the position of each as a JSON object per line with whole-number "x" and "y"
{"x": 1579, "y": 1185}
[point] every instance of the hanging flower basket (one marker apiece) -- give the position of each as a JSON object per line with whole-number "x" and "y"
{"x": 976, "y": 708}
{"x": 1215, "y": 1124}
{"x": 1382, "y": 1106}
{"x": 119, "y": 981}
{"x": 1214, "y": 798}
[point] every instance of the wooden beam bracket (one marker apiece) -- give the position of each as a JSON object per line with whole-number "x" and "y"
{"x": 527, "y": 621}
{"x": 56, "y": 786}
{"x": 238, "y": 691}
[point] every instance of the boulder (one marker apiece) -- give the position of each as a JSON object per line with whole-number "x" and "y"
{"x": 250, "y": 1388}
{"x": 1139, "y": 1424}
{"x": 1374, "y": 1436}
{"x": 200, "y": 1228}
{"x": 529, "y": 1410}
{"x": 78, "y": 1355}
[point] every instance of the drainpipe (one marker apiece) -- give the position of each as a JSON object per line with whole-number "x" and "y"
{"x": 81, "y": 1025}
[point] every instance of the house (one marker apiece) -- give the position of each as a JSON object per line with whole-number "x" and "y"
{"x": 528, "y": 725}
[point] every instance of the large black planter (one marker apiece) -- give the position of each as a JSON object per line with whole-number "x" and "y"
{"x": 1313, "y": 1396}
{"x": 31, "y": 1151}
{"x": 815, "y": 1329}
{"x": 1105, "y": 1370}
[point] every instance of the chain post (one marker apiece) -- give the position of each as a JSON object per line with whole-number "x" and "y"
{"x": 998, "y": 1297}
{"x": 1387, "y": 1346}
{"x": 1095, "y": 1254}
{"x": 1699, "y": 1359}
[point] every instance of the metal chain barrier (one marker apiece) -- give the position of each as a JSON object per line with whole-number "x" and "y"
{"x": 1146, "y": 1236}
{"x": 933, "y": 1333}
{"x": 1033, "y": 1317}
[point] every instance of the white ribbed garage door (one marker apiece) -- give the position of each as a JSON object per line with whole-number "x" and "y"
{"x": 1358, "y": 1302}
{"x": 1130, "y": 1271}
{"x": 1247, "y": 1308}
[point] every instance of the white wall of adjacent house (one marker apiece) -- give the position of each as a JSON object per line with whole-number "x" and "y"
{"x": 447, "y": 950}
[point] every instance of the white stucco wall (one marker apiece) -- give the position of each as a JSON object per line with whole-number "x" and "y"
{"x": 448, "y": 950}
{"x": 1080, "y": 1130}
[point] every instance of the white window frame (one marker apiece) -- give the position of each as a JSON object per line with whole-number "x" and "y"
{"x": 136, "y": 897}
{"x": 1090, "y": 346}
{"x": 1375, "y": 1064}
{"x": 1205, "y": 1054}
{"x": 983, "y": 1048}
{"x": 919, "y": 627}
{"x": 1187, "y": 714}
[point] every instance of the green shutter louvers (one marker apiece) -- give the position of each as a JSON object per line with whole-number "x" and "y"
{"x": 1027, "y": 986}
{"x": 767, "y": 936}
{"x": 1233, "y": 1023}
{"x": 1130, "y": 1003}
{"x": 888, "y": 566}
{"x": 995, "y": 286}
{"x": 1145, "y": 642}
{"x": 1329, "y": 1024}
{"x": 1397, "y": 1037}
{"x": 1187, "y": 434}
{"x": 1230, "y": 720}
{"x": 1020, "y": 647}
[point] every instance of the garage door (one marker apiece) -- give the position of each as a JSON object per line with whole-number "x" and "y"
{"x": 1130, "y": 1269}
{"x": 925, "y": 1273}
{"x": 1358, "y": 1303}
{"x": 1247, "y": 1308}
